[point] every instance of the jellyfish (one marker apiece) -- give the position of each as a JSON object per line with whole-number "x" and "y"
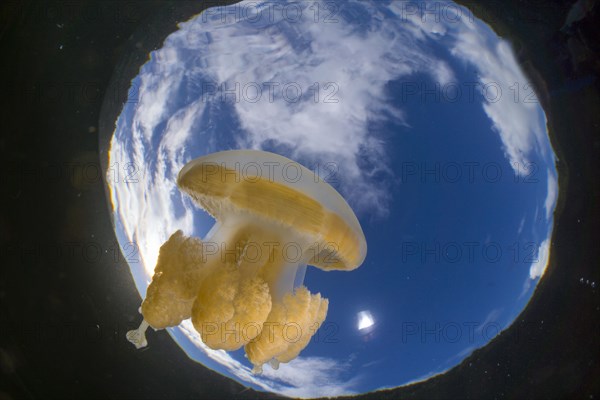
{"x": 242, "y": 285}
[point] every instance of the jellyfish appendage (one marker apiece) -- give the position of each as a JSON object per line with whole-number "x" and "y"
{"x": 288, "y": 328}
{"x": 138, "y": 336}
{"x": 179, "y": 270}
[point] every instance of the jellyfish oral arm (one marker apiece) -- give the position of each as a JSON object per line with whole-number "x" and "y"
{"x": 138, "y": 336}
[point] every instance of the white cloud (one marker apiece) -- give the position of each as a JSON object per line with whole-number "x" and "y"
{"x": 303, "y": 377}
{"x": 465, "y": 352}
{"x": 309, "y": 377}
{"x": 515, "y": 114}
{"x": 538, "y": 268}
{"x": 155, "y": 91}
{"x": 317, "y": 131}
{"x": 423, "y": 377}
{"x": 461, "y": 355}
{"x": 526, "y": 286}
{"x": 551, "y": 194}
{"x": 516, "y": 121}
{"x": 521, "y": 226}
{"x": 490, "y": 319}
{"x": 143, "y": 193}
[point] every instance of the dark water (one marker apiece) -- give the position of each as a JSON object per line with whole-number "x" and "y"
{"x": 66, "y": 295}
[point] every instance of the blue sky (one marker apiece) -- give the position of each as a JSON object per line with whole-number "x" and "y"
{"x": 451, "y": 259}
